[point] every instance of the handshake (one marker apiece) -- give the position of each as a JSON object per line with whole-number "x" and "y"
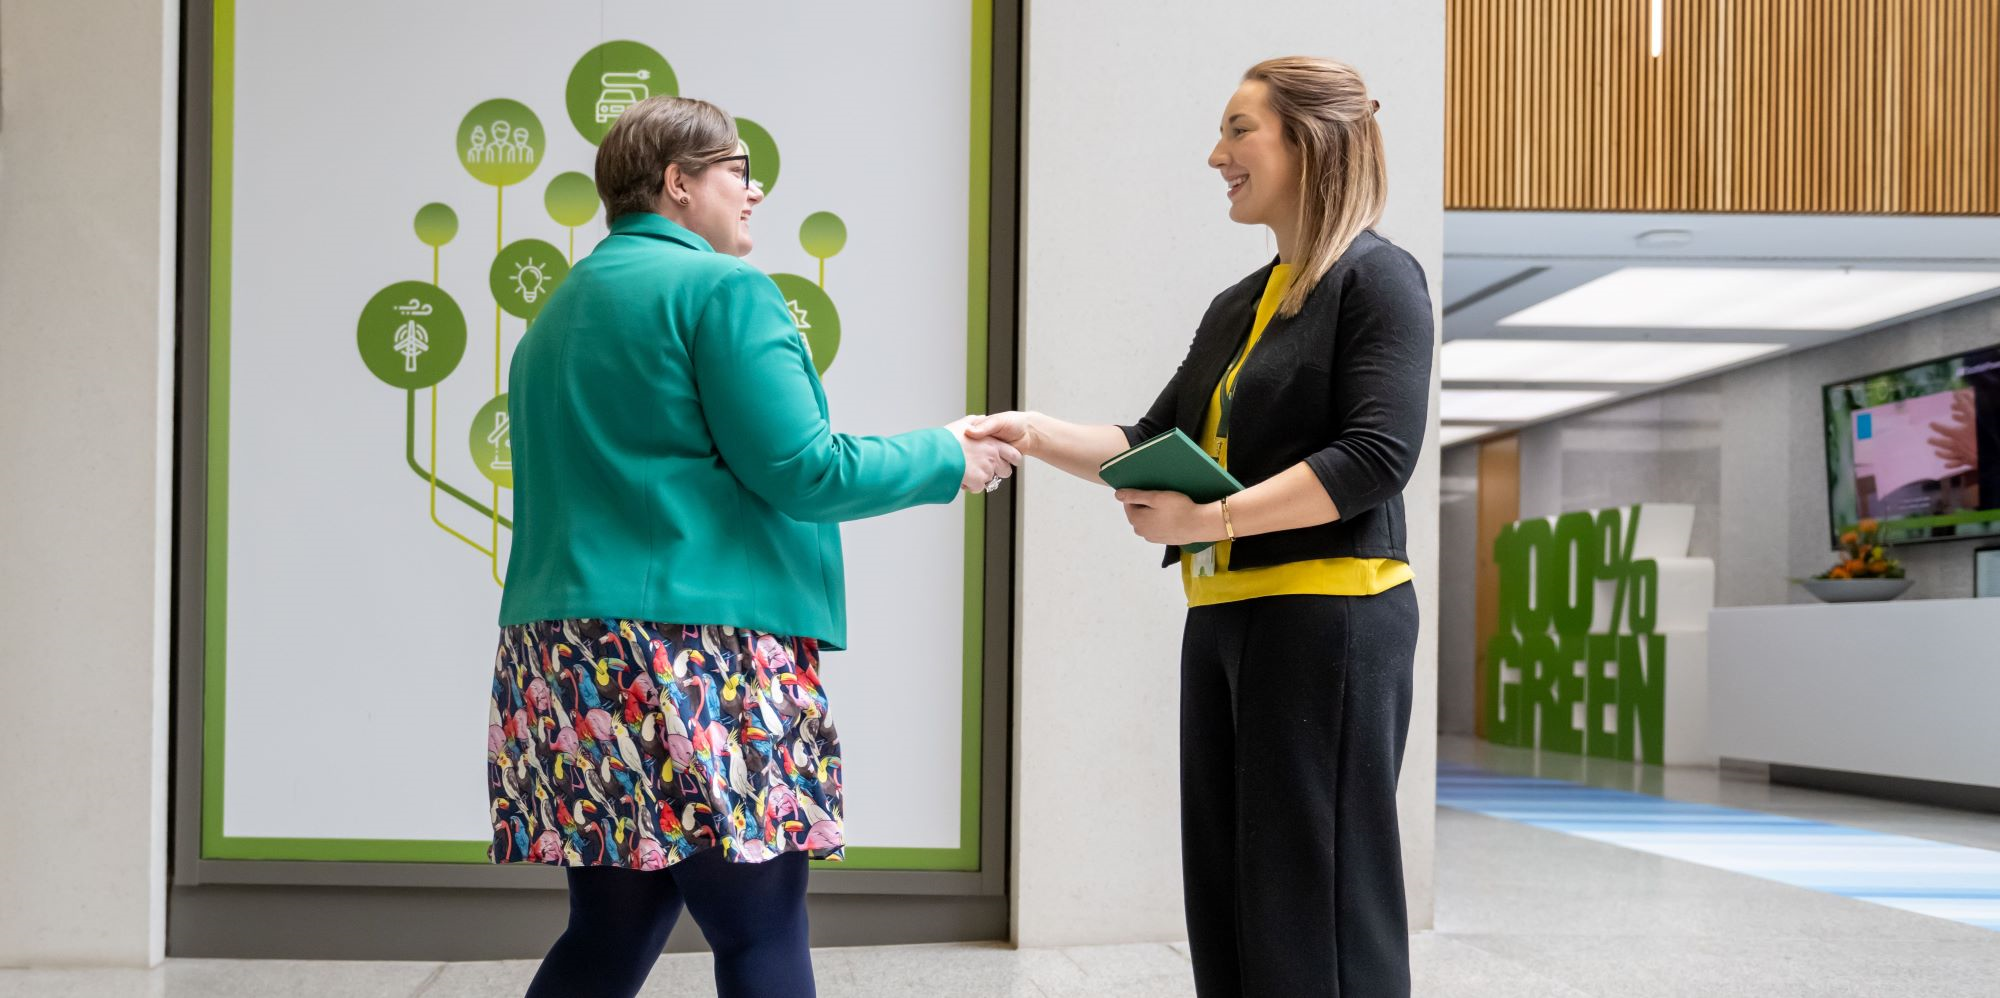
{"x": 994, "y": 446}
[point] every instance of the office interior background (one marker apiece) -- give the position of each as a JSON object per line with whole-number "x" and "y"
{"x": 1718, "y": 292}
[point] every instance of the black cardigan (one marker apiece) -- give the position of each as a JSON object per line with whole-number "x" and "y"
{"x": 1344, "y": 386}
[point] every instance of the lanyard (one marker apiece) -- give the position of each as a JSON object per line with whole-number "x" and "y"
{"x": 1229, "y": 377}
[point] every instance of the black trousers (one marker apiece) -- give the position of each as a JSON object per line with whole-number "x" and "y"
{"x": 1294, "y": 711}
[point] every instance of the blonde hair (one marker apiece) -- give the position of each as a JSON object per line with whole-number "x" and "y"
{"x": 657, "y": 132}
{"x": 1343, "y": 177}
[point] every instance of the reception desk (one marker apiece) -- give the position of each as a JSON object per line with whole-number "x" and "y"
{"x": 1901, "y": 689}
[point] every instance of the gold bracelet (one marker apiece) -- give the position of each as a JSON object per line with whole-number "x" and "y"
{"x": 1227, "y": 526}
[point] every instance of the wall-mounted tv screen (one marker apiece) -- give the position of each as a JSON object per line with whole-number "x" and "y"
{"x": 1917, "y": 449}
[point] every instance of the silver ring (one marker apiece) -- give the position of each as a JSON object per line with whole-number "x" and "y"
{"x": 992, "y": 483}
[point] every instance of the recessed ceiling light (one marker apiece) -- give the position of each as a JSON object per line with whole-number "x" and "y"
{"x": 1751, "y": 298}
{"x": 1610, "y": 361}
{"x": 1448, "y": 435}
{"x": 1511, "y": 405}
{"x": 1664, "y": 238}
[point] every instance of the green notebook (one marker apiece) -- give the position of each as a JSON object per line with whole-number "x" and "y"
{"x": 1171, "y": 462}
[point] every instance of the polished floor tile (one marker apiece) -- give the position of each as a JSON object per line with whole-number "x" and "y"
{"x": 1522, "y": 912}
{"x": 1443, "y": 966}
{"x": 1649, "y": 966}
{"x": 1606, "y": 920}
{"x": 1921, "y": 875}
{"x": 1496, "y": 877}
{"x": 227, "y": 979}
{"x": 1732, "y": 788}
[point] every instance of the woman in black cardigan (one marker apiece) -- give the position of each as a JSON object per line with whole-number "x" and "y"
{"x": 1309, "y": 381}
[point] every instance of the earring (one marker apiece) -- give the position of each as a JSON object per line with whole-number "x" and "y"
{"x": 686, "y": 200}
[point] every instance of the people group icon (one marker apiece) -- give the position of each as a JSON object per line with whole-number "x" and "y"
{"x": 501, "y": 143}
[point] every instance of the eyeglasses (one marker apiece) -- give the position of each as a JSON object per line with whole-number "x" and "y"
{"x": 745, "y": 157}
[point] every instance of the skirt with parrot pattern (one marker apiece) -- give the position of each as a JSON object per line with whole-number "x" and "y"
{"x": 637, "y": 744}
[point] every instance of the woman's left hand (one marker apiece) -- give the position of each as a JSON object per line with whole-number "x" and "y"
{"x": 1170, "y": 518}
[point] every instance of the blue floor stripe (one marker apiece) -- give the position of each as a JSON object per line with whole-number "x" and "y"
{"x": 1953, "y": 882}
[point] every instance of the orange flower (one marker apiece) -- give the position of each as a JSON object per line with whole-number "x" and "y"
{"x": 1869, "y": 526}
{"x": 1838, "y": 573}
{"x": 1855, "y": 566}
{"x": 1878, "y": 567}
{"x": 1850, "y": 538}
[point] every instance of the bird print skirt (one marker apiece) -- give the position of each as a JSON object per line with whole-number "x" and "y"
{"x": 636, "y": 744}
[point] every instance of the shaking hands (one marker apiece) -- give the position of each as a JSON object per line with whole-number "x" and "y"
{"x": 989, "y": 459}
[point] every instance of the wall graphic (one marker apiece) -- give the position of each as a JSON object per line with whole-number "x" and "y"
{"x": 397, "y": 191}
{"x": 501, "y": 143}
{"x": 1602, "y": 649}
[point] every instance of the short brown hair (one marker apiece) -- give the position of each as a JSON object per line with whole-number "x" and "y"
{"x": 1343, "y": 178}
{"x": 657, "y": 132}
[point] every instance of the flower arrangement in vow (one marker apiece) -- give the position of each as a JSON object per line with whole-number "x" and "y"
{"x": 1864, "y": 555}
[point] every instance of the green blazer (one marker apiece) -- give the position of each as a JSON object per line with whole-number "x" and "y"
{"x": 672, "y": 458}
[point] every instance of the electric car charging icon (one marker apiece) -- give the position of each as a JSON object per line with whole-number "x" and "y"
{"x": 620, "y": 91}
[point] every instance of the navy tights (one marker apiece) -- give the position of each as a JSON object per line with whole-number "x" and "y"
{"x": 753, "y": 915}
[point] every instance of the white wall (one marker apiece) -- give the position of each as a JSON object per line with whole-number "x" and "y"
{"x": 1458, "y": 588}
{"x": 1757, "y": 468}
{"x": 1747, "y": 450}
{"x": 88, "y": 95}
{"x": 1126, "y": 241}
{"x": 1664, "y": 447}
{"x": 1126, "y": 238}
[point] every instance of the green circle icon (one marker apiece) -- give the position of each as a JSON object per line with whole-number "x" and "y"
{"x": 501, "y": 142}
{"x": 524, "y": 275}
{"x": 609, "y": 79}
{"x": 571, "y": 199}
{"x": 763, "y": 153}
{"x": 436, "y": 224}
{"x": 814, "y": 315}
{"x": 823, "y": 234}
{"x": 492, "y": 442}
{"x": 411, "y": 334}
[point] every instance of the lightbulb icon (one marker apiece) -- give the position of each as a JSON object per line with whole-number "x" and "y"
{"x": 529, "y": 280}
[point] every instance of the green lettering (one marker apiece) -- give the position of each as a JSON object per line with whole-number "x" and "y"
{"x": 1642, "y": 594}
{"x": 1601, "y": 698}
{"x": 1538, "y": 676}
{"x": 1536, "y": 541}
{"x": 1642, "y": 697}
{"x": 1513, "y": 571}
{"x": 1559, "y": 729}
{"x": 1571, "y": 592}
{"x": 1503, "y": 693}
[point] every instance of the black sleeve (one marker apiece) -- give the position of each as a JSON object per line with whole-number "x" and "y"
{"x": 1381, "y": 383}
{"x": 1160, "y": 418}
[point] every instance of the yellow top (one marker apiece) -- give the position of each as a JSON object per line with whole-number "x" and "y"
{"x": 1209, "y": 583}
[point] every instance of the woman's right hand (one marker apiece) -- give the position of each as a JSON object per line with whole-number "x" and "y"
{"x": 987, "y": 460}
{"x": 1077, "y": 449}
{"x": 1012, "y": 428}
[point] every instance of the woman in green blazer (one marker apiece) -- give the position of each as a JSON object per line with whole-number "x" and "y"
{"x": 658, "y": 724}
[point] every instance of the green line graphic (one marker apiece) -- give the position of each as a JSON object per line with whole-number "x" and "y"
{"x": 488, "y": 552}
{"x": 410, "y": 455}
{"x": 572, "y": 202}
{"x": 823, "y": 235}
{"x": 415, "y": 339}
{"x": 414, "y": 336}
